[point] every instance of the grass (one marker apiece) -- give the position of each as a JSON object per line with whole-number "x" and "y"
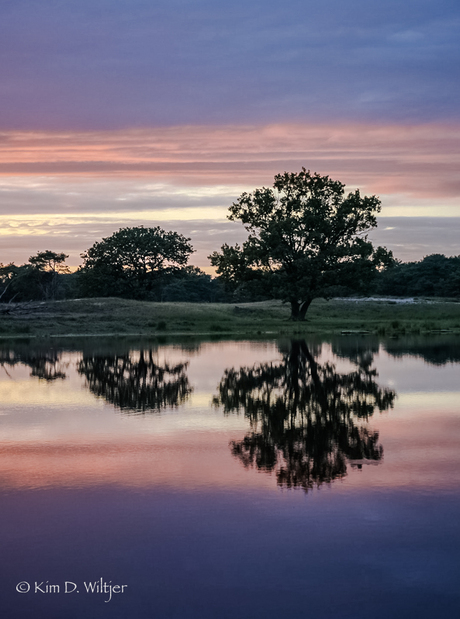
{"x": 110, "y": 316}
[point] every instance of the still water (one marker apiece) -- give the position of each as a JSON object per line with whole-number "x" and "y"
{"x": 291, "y": 478}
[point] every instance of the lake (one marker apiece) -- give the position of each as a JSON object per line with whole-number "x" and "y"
{"x": 220, "y": 479}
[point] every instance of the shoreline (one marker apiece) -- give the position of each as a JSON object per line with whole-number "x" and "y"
{"x": 114, "y": 317}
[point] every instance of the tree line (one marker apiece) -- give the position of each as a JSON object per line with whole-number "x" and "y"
{"x": 434, "y": 276}
{"x": 306, "y": 238}
{"x": 135, "y": 263}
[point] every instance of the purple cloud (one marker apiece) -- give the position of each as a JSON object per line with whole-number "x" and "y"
{"x": 109, "y": 64}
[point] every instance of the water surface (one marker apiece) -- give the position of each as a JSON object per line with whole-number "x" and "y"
{"x": 218, "y": 479}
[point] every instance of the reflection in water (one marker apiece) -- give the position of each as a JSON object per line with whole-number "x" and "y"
{"x": 45, "y": 364}
{"x": 159, "y": 503}
{"x": 305, "y": 416}
{"x": 136, "y": 383}
{"x": 438, "y": 350}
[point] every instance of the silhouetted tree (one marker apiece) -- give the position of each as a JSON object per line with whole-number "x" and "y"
{"x": 48, "y": 266}
{"x": 45, "y": 276}
{"x": 306, "y": 240}
{"x": 132, "y": 262}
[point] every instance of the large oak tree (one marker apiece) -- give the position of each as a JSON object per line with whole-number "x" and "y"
{"x": 306, "y": 238}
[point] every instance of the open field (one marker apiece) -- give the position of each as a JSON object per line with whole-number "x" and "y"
{"x": 110, "y": 316}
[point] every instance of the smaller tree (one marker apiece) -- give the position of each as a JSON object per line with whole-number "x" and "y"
{"x": 42, "y": 277}
{"x": 47, "y": 267}
{"x": 132, "y": 262}
{"x": 49, "y": 262}
{"x": 306, "y": 240}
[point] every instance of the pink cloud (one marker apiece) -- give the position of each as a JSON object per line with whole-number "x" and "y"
{"x": 419, "y": 160}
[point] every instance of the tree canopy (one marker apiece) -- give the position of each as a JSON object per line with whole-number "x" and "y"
{"x": 434, "y": 276}
{"x": 306, "y": 239}
{"x": 132, "y": 262}
{"x": 42, "y": 277}
{"x": 49, "y": 261}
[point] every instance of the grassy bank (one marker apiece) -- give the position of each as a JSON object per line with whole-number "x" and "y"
{"x": 123, "y": 317}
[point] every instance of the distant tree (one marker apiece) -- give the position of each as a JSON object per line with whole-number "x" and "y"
{"x": 44, "y": 276}
{"x": 47, "y": 267}
{"x": 8, "y": 275}
{"x": 434, "y": 276}
{"x": 133, "y": 262}
{"x": 192, "y": 285}
{"x": 49, "y": 262}
{"x": 306, "y": 240}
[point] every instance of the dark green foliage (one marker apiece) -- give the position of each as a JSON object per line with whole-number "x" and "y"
{"x": 306, "y": 239}
{"x": 192, "y": 285}
{"x": 434, "y": 276}
{"x": 133, "y": 263}
{"x": 44, "y": 277}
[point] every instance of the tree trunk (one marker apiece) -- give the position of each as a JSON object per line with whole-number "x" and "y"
{"x": 299, "y": 309}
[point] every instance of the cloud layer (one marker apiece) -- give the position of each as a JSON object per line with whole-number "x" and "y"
{"x": 138, "y": 112}
{"x": 82, "y": 64}
{"x": 66, "y": 190}
{"x": 419, "y": 160}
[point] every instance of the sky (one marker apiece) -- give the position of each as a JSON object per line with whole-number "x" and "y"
{"x": 119, "y": 113}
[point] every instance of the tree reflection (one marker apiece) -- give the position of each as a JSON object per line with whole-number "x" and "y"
{"x": 45, "y": 364}
{"x": 135, "y": 382}
{"x": 437, "y": 350}
{"x": 306, "y": 419}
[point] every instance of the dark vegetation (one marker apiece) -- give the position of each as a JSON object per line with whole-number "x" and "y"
{"x": 134, "y": 263}
{"x": 307, "y": 421}
{"x": 44, "y": 277}
{"x": 434, "y": 276}
{"x": 307, "y": 241}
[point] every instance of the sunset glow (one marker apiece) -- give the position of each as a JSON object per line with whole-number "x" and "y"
{"x": 201, "y": 446}
{"x": 68, "y": 188}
